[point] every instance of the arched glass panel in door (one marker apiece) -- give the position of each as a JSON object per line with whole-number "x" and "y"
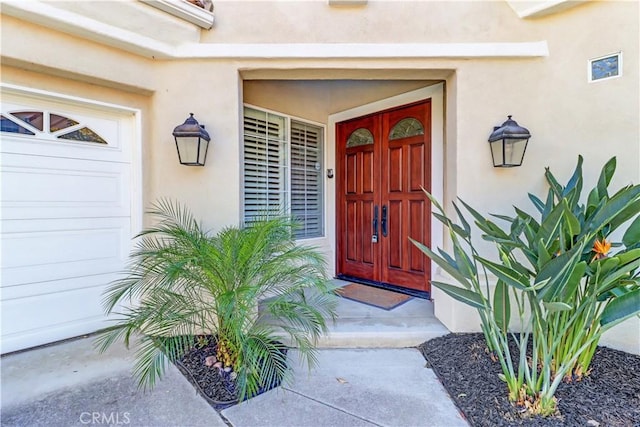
{"x": 358, "y": 137}
{"x": 406, "y": 128}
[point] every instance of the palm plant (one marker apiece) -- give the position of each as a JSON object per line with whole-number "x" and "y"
{"x": 183, "y": 282}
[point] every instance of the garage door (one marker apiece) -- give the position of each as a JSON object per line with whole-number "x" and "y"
{"x": 67, "y": 187}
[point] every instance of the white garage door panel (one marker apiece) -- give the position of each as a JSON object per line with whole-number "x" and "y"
{"x": 49, "y": 187}
{"x": 65, "y": 149}
{"x": 67, "y": 286}
{"x": 51, "y": 248}
{"x": 51, "y": 285}
{"x": 69, "y": 208}
{"x": 26, "y": 185}
{"x": 41, "y": 319}
{"x": 10, "y": 226}
{"x": 46, "y": 252}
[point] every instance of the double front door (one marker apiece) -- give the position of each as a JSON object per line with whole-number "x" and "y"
{"x": 384, "y": 161}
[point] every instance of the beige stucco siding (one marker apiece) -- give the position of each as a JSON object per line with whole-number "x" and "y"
{"x": 376, "y": 22}
{"x": 34, "y": 47}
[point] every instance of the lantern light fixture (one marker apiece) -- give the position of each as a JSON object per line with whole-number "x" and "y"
{"x": 508, "y": 144}
{"x": 192, "y": 142}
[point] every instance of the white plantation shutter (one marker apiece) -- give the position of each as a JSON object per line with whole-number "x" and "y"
{"x": 306, "y": 178}
{"x": 265, "y": 165}
{"x": 272, "y": 159}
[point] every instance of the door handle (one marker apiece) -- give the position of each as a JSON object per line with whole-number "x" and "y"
{"x": 374, "y": 237}
{"x": 383, "y": 223}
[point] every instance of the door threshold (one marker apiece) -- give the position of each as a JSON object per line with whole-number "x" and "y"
{"x": 386, "y": 286}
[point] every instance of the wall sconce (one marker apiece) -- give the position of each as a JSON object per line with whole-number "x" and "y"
{"x": 192, "y": 142}
{"x": 508, "y": 144}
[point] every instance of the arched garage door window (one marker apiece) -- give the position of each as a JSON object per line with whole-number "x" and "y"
{"x": 38, "y": 122}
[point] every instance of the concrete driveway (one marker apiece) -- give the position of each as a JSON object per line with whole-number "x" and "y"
{"x": 70, "y": 384}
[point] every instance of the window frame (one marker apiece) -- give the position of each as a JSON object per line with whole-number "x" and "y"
{"x": 590, "y": 62}
{"x": 288, "y": 118}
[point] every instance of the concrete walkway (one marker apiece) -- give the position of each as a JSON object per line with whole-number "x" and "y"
{"x": 69, "y": 384}
{"x": 364, "y": 387}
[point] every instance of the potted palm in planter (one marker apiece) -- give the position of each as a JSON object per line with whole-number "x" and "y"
{"x": 186, "y": 288}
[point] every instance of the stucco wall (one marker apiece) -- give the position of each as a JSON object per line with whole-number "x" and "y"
{"x": 33, "y": 47}
{"x": 329, "y": 96}
{"x": 375, "y": 22}
{"x": 212, "y": 91}
{"x": 550, "y": 95}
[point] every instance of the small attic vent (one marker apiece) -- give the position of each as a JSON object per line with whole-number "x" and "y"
{"x": 347, "y": 2}
{"x": 605, "y": 67}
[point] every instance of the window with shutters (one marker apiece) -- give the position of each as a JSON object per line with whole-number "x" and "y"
{"x": 283, "y": 164}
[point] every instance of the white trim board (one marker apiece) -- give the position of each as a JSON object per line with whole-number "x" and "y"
{"x": 536, "y": 9}
{"x": 363, "y": 50}
{"x": 184, "y": 10}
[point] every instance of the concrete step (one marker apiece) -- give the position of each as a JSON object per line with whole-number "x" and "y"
{"x": 362, "y": 326}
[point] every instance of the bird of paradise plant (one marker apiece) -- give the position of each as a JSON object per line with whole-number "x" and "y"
{"x": 560, "y": 269}
{"x": 605, "y": 286}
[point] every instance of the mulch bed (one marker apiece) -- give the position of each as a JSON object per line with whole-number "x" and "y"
{"x": 216, "y": 385}
{"x": 609, "y": 396}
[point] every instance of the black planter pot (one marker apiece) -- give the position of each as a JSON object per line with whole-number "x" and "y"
{"x": 193, "y": 378}
{"x": 218, "y": 405}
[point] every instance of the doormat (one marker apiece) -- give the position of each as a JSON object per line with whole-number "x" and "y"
{"x": 375, "y": 297}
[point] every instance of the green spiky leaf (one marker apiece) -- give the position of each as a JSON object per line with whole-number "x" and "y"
{"x": 621, "y": 308}
{"x": 460, "y": 294}
{"x": 556, "y": 306}
{"x": 510, "y": 276}
{"x": 632, "y": 235}
{"x": 502, "y": 306}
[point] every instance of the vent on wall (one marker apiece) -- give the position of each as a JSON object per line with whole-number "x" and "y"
{"x": 605, "y": 67}
{"x": 347, "y": 2}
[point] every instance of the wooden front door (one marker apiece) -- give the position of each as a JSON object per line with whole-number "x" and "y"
{"x": 384, "y": 160}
